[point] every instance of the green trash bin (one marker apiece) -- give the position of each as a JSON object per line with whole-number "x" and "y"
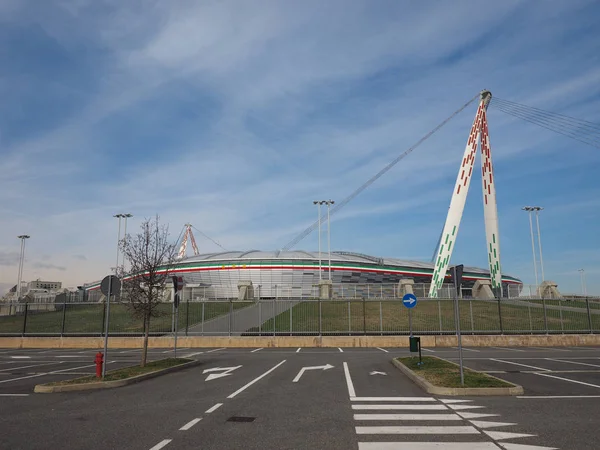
{"x": 415, "y": 343}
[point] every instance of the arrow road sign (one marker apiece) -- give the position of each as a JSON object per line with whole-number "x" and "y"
{"x": 325, "y": 367}
{"x": 377, "y": 373}
{"x": 409, "y": 300}
{"x": 225, "y": 371}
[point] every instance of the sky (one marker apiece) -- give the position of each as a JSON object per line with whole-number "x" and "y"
{"x": 235, "y": 116}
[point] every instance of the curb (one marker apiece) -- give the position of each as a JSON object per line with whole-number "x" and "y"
{"x": 437, "y": 390}
{"x": 47, "y": 389}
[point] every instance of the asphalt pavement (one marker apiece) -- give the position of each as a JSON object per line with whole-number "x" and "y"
{"x": 289, "y": 398}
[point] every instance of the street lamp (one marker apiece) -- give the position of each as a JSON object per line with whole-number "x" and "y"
{"x": 21, "y": 260}
{"x": 126, "y": 216}
{"x": 319, "y": 203}
{"x": 583, "y": 286}
{"x": 329, "y": 203}
{"x": 530, "y": 209}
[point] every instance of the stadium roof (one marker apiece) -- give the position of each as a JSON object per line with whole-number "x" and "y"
{"x": 304, "y": 255}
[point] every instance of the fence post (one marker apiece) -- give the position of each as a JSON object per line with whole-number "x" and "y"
{"x": 364, "y": 317}
{"x": 562, "y": 328}
{"x": 530, "y": 321}
{"x": 291, "y": 307}
{"x": 350, "y": 320}
{"x": 320, "y": 318}
{"x": 103, "y": 318}
{"x": 545, "y": 315}
{"x": 230, "y": 314}
{"x": 587, "y": 304}
{"x": 202, "y": 322}
{"x": 25, "y": 319}
{"x": 259, "y": 319}
{"x": 471, "y": 310}
{"x": 62, "y": 327}
{"x": 380, "y": 317}
{"x": 187, "y": 315}
{"x": 273, "y": 311}
{"x": 500, "y": 316}
{"x": 440, "y": 315}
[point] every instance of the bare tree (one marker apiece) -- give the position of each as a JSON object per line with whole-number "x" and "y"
{"x": 151, "y": 257}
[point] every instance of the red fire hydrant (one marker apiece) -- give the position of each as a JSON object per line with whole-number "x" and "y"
{"x": 99, "y": 362}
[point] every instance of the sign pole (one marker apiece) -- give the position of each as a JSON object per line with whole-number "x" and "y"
{"x": 176, "y": 320}
{"x": 106, "y": 329}
{"x": 410, "y": 322}
{"x": 457, "y": 320}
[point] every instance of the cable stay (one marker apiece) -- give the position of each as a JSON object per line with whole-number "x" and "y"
{"x": 577, "y": 129}
{"x": 369, "y": 182}
{"x": 210, "y": 239}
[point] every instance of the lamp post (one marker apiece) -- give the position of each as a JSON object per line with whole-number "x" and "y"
{"x": 529, "y": 209}
{"x": 583, "y": 286}
{"x": 537, "y": 209}
{"x": 125, "y": 216}
{"x": 329, "y": 203}
{"x": 21, "y": 261}
{"x": 319, "y": 203}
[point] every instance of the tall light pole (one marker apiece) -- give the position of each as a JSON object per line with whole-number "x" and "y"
{"x": 537, "y": 209}
{"x": 583, "y": 286}
{"x": 21, "y": 260}
{"x": 126, "y": 216}
{"x": 329, "y": 203}
{"x": 319, "y": 203}
{"x": 529, "y": 209}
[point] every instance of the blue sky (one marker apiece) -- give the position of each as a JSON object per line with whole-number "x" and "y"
{"x": 234, "y": 116}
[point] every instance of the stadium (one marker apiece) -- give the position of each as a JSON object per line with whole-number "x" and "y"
{"x": 295, "y": 274}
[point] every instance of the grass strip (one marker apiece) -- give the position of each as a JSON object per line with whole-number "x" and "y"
{"x": 442, "y": 373}
{"x": 126, "y": 372}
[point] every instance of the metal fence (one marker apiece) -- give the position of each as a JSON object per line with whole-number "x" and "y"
{"x": 309, "y": 317}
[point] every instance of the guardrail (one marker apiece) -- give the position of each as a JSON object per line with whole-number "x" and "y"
{"x": 308, "y": 317}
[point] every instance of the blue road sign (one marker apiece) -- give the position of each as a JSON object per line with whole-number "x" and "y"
{"x": 409, "y": 300}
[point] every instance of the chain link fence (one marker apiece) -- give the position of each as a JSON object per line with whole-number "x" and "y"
{"x": 277, "y": 316}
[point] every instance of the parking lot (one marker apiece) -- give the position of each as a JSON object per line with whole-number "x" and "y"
{"x": 301, "y": 398}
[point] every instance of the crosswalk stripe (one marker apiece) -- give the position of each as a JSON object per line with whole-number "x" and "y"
{"x": 484, "y": 424}
{"x": 409, "y": 407}
{"x": 428, "y": 446}
{"x": 470, "y": 415}
{"x": 525, "y": 447}
{"x": 441, "y": 417}
{"x": 450, "y": 401}
{"x": 461, "y": 407}
{"x": 500, "y": 435}
{"x": 392, "y": 399}
{"x": 417, "y": 430}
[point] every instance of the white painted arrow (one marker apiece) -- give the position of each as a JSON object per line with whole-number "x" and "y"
{"x": 377, "y": 373}
{"x": 225, "y": 371}
{"x": 325, "y": 367}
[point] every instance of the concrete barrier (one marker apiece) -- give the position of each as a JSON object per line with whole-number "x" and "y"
{"x": 559, "y": 340}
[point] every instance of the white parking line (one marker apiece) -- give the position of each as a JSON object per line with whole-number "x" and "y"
{"x": 190, "y": 424}
{"x": 468, "y": 349}
{"x": 257, "y": 350}
{"x": 215, "y": 350}
{"x": 341, "y": 351}
{"x": 427, "y": 446}
{"x": 14, "y": 395}
{"x": 417, "y": 430}
{"x": 572, "y": 362}
{"x": 557, "y": 396}
{"x": 561, "y": 378}
{"x": 393, "y": 399}
{"x": 351, "y": 391}
{"x": 47, "y": 373}
{"x": 213, "y": 408}
{"x": 427, "y": 350}
{"x": 32, "y": 365}
{"x": 519, "y": 364}
{"x": 161, "y": 444}
{"x": 441, "y": 417}
{"x": 436, "y": 407}
{"x": 193, "y": 354}
{"x": 382, "y": 349}
{"x": 243, "y": 388}
{"x": 511, "y": 349}
{"x": 21, "y": 357}
{"x": 298, "y": 351}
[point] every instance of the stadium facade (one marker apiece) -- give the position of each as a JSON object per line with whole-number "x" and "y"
{"x": 295, "y": 274}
